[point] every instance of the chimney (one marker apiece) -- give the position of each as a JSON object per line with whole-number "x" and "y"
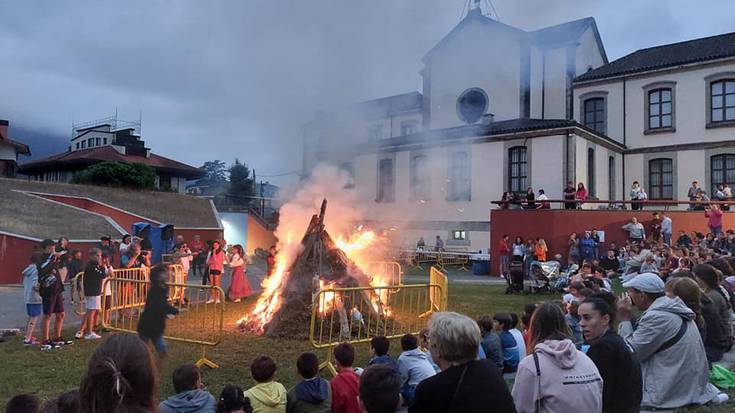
{"x": 4, "y": 129}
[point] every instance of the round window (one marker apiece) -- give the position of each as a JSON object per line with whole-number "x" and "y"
{"x": 472, "y": 104}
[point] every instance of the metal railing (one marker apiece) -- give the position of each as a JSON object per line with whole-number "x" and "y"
{"x": 389, "y": 270}
{"x": 439, "y": 297}
{"x": 613, "y": 204}
{"x": 198, "y": 322}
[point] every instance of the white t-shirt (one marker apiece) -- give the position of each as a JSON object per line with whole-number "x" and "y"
{"x": 518, "y": 336}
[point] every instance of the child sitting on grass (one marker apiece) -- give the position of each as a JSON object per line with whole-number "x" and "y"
{"x": 312, "y": 394}
{"x": 268, "y": 395}
{"x": 379, "y": 345}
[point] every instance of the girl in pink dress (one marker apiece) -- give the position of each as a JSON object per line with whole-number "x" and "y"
{"x": 215, "y": 261}
{"x": 239, "y": 287}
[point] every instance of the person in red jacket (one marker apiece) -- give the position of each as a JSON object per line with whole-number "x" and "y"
{"x": 503, "y": 251}
{"x": 346, "y": 386}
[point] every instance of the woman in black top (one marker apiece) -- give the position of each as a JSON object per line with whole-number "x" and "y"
{"x": 157, "y": 309}
{"x": 620, "y": 370}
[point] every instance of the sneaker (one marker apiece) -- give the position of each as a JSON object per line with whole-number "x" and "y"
{"x": 31, "y": 342}
{"x": 236, "y": 301}
{"x": 61, "y": 341}
{"x": 210, "y": 301}
{"x": 217, "y": 301}
{"x": 92, "y": 336}
{"x": 720, "y": 398}
{"x": 49, "y": 344}
{"x": 79, "y": 335}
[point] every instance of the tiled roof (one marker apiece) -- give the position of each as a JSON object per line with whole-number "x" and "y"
{"x": 110, "y": 154}
{"x": 691, "y": 51}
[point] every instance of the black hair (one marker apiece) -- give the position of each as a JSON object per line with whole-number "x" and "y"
{"x": 185, "y": 377}
{"x": 513, "y": 320}
{"x": 263, "y": 369}
{"x": 708, "y": 274}
{"x": 380, "y": 389}
{"x": 68, "y": 402}
{"x": 344, "y": 353}
{"x": 126, "y": 236}
{"x": 485, "y": 323}
{"x": 231, "y": 399}
{"x": 307, "y": 365}
{"x": 409, "y": 342}
{"x": 380, "y": 344}
{"x": 504, "y": 320}
{"x": 604, "y": 303}
{"x": 23, "y": 403}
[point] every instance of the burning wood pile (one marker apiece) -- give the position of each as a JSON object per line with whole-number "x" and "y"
{"x": 285, "y": 306}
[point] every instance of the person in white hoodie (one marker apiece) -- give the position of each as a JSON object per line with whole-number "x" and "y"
{"x": 32, "y": 298}
{"x": 556, "y": 377}
{"x": 413, "y": 366}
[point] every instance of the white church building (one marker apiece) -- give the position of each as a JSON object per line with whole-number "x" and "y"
{"x": 503, "y": 109}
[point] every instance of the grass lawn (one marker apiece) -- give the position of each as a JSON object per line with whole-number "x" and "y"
{"x": 29, "y": 370}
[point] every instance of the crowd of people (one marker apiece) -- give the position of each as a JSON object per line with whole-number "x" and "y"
{"x": 53, "y": 267}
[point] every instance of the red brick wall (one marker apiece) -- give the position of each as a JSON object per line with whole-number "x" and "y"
{"x": 554, "y": 226}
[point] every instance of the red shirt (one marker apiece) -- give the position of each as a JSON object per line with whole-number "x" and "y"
{"x": 715, "y": 218}
{"x": 345, "y": 389}
{"x": 504, "y": 248}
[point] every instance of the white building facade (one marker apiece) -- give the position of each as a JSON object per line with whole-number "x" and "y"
{"x": 504, "y": 109}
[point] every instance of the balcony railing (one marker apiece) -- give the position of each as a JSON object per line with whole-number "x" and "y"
{"x": 615, "y": 204}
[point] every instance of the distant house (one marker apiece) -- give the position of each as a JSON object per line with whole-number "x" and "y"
{"x": 105, "y": 142}
{"x": 9, "y": 151}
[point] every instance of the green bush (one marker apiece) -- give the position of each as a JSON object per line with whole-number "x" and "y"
{"x": 126, "y": 175}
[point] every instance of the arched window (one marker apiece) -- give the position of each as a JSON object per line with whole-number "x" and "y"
{"x": 517, "y": 169}
{"x": 594, "y": 114}
{"x": 660, "y": 179}
{"x": 459, "y": 177}
{"x": 722, "y": 169}
{"x": 419, "y": 177}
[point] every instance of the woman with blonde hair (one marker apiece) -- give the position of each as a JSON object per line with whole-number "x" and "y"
{"x": 541, "y": 249}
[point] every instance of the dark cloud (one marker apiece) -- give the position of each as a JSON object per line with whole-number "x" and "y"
{"x": 230, "y": 79}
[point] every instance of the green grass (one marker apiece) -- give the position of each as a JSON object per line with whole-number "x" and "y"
{"x": 29, "y": 370}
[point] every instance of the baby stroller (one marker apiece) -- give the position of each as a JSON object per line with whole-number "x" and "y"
{"x": 563, "y": 279}
{"x": 542, "y": 275}
{"x": 515, "y": 276}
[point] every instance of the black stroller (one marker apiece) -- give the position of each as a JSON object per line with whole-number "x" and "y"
{"x": 515, "y": 276}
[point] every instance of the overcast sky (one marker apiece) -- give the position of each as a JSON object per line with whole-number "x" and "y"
{"x": 226, "y": 79}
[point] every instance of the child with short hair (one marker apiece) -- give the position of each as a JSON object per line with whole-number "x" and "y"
{"x": 345, "y": 386}
{"x": 268, "y": 395}
{"x": 312, "y": 394}
{"x": 379, "y": 346}
{"x": 502, "y": 323}
{"x": 94, "y": 273}
{"x": 32, "y": 298}
{"x": 379, "y": 387}
{"x": 190, "y": 396}
{"x": 152, "y": 322}
{"x": 413, "y": 367}
{"x": 23, "y": 403}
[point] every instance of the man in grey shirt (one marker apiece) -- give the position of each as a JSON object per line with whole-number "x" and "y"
{"x": 666, "y": 228}
{"x": 636, "y": 231}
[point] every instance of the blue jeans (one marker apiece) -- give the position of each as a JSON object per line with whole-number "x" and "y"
{"x": 408, "y": 393}
{"x": 158, "y": 343}
{"x": 667, "y": 238}
{"x": 715, "y": 230}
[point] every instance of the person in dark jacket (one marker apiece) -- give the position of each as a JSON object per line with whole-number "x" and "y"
{"x": 618, "y": 366}
{"x": 379, "y": 345}
{"x": 157, "y": 309}
{"x": 190, "y": 396}
{"x": 465, "y": 384}
{"x": 312, "y": 394}
{"x": 491, "y": 342}
{"x": 94, "y": 274}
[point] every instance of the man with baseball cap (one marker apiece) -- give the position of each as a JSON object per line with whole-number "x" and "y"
{"x": 668, "y": 345}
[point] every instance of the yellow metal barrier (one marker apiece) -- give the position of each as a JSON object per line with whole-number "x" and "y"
{"x": 197, "y": 323}
{"x": 439, "y": 297}
{"x": 355, "y": 315}
{"x": 419, "y": 257}
{"x": 77, "y": 294}
{"x": 460, "y": 259}
{"x": 388, "y": 270}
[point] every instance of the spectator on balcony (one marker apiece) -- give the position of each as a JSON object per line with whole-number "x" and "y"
{"x": 635, "y": 192}
{"x": 581, "y": 194}
{"x": 703, "y": 200}
{"x": 727, "y": 191}
{"x": 693, "y": 191}
{"x": 544, "y": 204}
{"x": 714, "y": 219}
{"x": 569, "y": 194}
{"x": 636, "y": 230}
{"x": 505, "y": 200}
{"x": 439, "y": 244}
{"x": 530, "y": 199}
{"x": 420, "y": 244}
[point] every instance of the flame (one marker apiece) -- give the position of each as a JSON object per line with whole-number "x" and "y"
{"x": 360, "y": 247}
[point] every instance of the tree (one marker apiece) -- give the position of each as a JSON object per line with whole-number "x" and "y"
{"x": 241, "y": 185}
{"x": 128, "y": 175}
{"x": 215, "y": 171}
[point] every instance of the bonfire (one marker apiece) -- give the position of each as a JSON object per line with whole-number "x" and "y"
{"x": 286, "y": 303}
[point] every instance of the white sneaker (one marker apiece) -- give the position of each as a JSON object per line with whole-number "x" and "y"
{"x": 210, "y": 301}
{"x": 236, "y": 301}
{"x": 217, "y": 301}
{"x": 92, "y": 336}
{"x": 720, "y": 398}
{"x": 79, "y": 335}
